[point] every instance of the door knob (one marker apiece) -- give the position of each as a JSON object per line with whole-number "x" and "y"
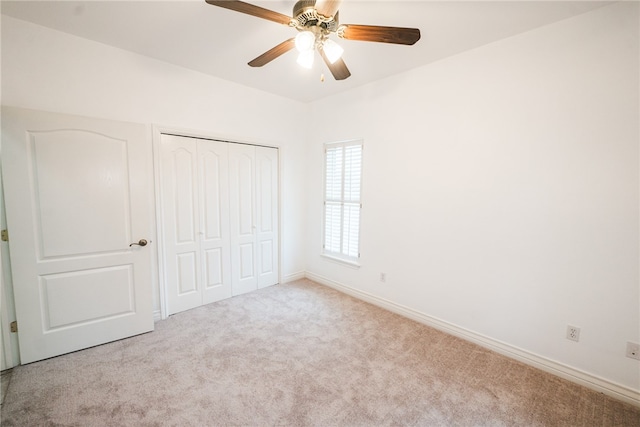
{"x": 141, "y": 242}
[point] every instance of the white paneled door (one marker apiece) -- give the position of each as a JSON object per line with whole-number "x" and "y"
{"x": 267, "y": 215}
{"x": 254, "y": 217}
{"x": 195, "y": 198}
{"x": 242, "y": 180}
{"x": 214, "y": 228}
{"x": 79, "y": 205}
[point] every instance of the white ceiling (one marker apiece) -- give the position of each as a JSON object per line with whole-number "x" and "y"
{"x": 220, "y": 42}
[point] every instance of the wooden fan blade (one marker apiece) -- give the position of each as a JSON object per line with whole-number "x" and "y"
{"x": 273, "y": 53}
{"x": 338, "y": 69}
{"x": 249, "y": 9}
{"x": 327, "y": 8}
{"x": 375, "y": 33}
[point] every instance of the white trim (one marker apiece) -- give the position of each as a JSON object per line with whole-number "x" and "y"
{"x": 10, "y": 340}
{"x": 5, "y": 336}
{"x": 593, "y": 382}
{"x": 349, "y": 262}
{"x": 293, "y": 277}
{"x": 280, "y": 203}
{"x": 157, "y": 179}
{"x": 156, "y": 316}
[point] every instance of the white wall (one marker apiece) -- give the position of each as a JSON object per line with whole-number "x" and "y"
{"x": 48, "y": 70}
{"x": 500, "y": 191}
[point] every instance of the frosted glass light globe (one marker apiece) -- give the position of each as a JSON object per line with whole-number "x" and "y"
{"x": 305, "y": 58}
{"x": 333, "y": 50}
{"x": 305, "y": 40}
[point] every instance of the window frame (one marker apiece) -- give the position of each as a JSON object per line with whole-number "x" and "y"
{"x": 341, "y": 256}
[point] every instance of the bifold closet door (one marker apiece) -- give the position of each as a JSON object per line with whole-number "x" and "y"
{"x": 253, "y": 184}
{"x": 195, "y": 221}
{"x": 242, "y": 208}
{"x": 267, "y": 210}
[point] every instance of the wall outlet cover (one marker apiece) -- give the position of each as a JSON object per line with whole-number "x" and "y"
{"x": 633, "y": 350}
{"x": 573, "y": 333}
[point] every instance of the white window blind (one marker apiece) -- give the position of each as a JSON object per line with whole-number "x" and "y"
{"x": 343, "y": 175}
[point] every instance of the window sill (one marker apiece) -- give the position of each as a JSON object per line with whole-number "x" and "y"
{"x": 346, "y": 262}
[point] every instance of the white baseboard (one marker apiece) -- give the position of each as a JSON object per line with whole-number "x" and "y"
{"x": 157, "y": 316}
{"x": 293, "y": 276}
{"x": 564, "y": 371}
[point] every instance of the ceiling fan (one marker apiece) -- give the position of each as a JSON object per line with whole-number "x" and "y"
{"x": 315, "y": 21}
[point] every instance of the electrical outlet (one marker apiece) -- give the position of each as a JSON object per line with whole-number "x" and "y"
{"x": 573, "y": 333}
{"x": 383, "y": 277}
{"x": 633, "y": 350}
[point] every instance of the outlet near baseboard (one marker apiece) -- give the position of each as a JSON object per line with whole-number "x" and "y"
{"x": 633, "y": 350}
{"x": 573, "y": 333}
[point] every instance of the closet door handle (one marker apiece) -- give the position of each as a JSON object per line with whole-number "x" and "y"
{"x": 141, "y": 242}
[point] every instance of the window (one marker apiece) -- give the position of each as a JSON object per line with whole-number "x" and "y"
{"x": 342, "y": 181}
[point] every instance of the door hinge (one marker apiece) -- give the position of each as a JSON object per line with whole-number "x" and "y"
{"x": 4, "y": 234}
{"x": 14, "y": 326}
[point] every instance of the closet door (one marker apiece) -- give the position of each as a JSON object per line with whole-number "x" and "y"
{"x": 242, "y": 197}
{"x": 220, "y": 220}
{"x": 215, "y": 251}
{"x": 267, "y": 209}
{"x": 180, "y": 209}
{"x": 195, "y": 221}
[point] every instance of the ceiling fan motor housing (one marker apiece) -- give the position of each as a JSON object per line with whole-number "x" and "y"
{"x": 304, "y": 12}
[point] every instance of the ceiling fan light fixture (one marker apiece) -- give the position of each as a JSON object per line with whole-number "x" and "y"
{"x": 333, "y": 50}
{"x": 305, "y": 41}
{"x": 305, "y": 58}
{"x": 316, "y": 20}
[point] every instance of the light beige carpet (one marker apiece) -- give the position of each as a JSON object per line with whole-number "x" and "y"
{"x": 293, "y": 355}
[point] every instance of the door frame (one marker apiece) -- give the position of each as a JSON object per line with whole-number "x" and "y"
{"x": 157, "y": 131}
{"x": 9, "y": 340}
